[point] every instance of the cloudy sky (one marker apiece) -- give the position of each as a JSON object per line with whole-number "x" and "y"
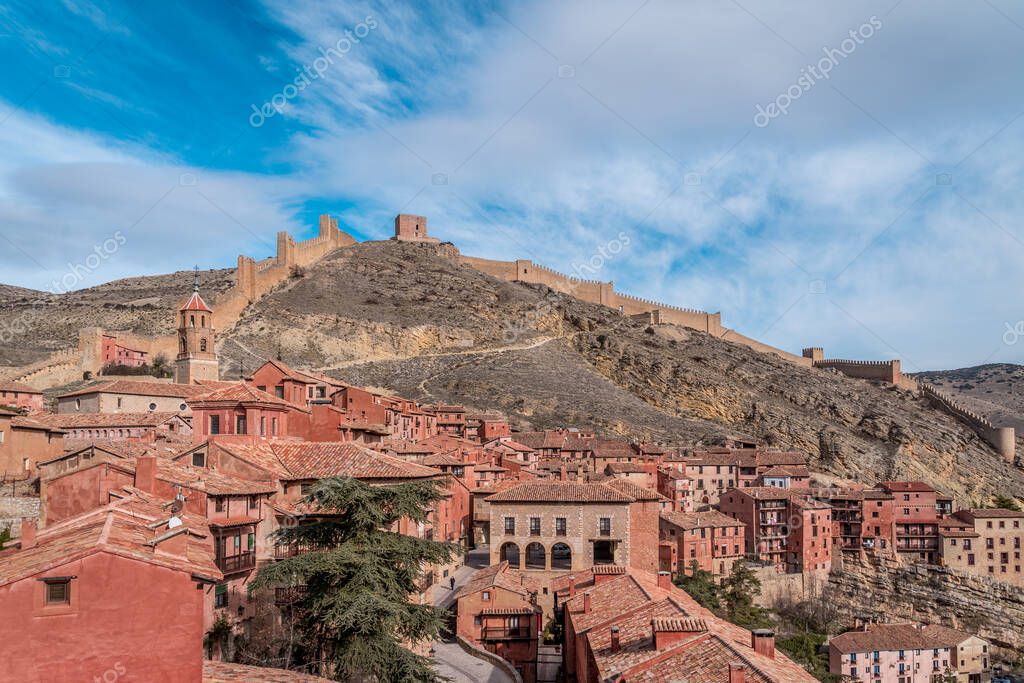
{"x": 836, "y": 174}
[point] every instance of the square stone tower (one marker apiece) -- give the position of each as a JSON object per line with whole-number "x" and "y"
{"x": 196, "y": 356}
{"x": 409, "y": 228}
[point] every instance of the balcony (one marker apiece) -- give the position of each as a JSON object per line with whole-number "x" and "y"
{"x": 288, "y": 595}
{"x": 293, "y": 549}
{"x": 237, "y": 563}
{"x": 507, "y": 633}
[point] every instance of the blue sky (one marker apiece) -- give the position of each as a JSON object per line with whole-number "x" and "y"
{"x": 879, "y": 216}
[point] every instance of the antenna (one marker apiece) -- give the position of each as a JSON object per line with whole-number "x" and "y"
{"x": 195, "y": 282}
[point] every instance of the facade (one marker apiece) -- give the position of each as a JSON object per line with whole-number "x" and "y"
{"x": 149, "y": 426}
{"x": 18, "y": 395}
{"x": 115, "y": 353}
{"x": 711, "y": 539}
{"x": 568, "y": 526}
{"x": 409, "y": 228}
{"x": 241, "y": 413}
{"x": 296, "y": 386}
{"x": 697, "y": 479}
{"x": 119, "y": 589}
{"x": 197, "y": 357}
{"x": 497, "y": 610}
{"x": 785, "y": 528}
{"x": 130, "y": 396}
{"x": 984, "y": 542}
{"x": 451, "y": 419}
{"x": 25, "y": 442}
{"x": 916, "y": 518}
{"x": 909, "y": 653}
{"x": 862, "y": 519}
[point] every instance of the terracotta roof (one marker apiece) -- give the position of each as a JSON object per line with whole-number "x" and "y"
{"x": 786, "y": 471}
{"x": 239, "y": 392}
{"x": 234, "y": 521}
{"x": 503, "y": 611}
{"x": 442, "y": 459}
{"x": 19, "y": 387}
{"x": 625, "y": 468}
{"x": 509, "y": 443}
{"x": 904, "y": 486}
{"x": 141, "y": 388}
{"x": 705, "y": 658}
{"x": 225, "y": 672}
{"x": 892, "y": 637}
{"x": 102, "y": 420}
{"x": 499, "y": 576}
{"x": 315, "y": 460}
{"x": 129, "y": 527}
{"x": 30, "y": 422}
{"x": 993, "y": 513}
{"x": 560, "y": 492}
{"x": 195, "y": 303}
{"x": 633, "y": 490}
{"x": 698, "y": 520}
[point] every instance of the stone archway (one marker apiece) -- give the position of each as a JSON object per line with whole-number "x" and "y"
{"x": 509, "y": 552}
{"x": 536, "y": 557}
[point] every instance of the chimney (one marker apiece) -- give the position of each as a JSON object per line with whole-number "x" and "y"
{"x": 586, "y": 603}
{"x": 615, "y": 639}
{"x": 145, "y": 473}
{"x": 572, "y": 585}
{"x": 28, "y": 533}
{"x": 763, "y": 642}
{"x": 561, "y": 472}
{"x": 664, "y": 580}
{"x": 737, "y": 673}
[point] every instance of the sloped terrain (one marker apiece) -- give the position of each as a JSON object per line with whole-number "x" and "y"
{"x": 995, "y": 390}
{"x": 409, "y": 317}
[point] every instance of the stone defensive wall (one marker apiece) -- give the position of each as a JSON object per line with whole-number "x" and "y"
{"x": 1003, "y": 439}
{"x": 880, "y": 370}
{"x": 604, "y": 293}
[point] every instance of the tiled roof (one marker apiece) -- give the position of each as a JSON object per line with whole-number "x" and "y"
{"x": 994, "y": 513}
{"x": 504, "y": 611}
{"x": 19, "y": 387}
{"x": 633, "y": 490}
{"x": 625, "y": 468}
{"x": 125, "y": 527}
{"x": 904, "y": 486}
{"x": 787, "y": 471}
{"x": 560, "y": 492}
{"x": 103, "y": 420}
{"x": 636, "y": 637}
{"x": 705, "y": 659}
{"x": 441, "y": 459}
{"x": 195, "y": 303}
{"x": 499, "y": 576}
{"x": 315, "y": 460}
{"x": 892, "y": 637}
{"x": 141, "y": 388}
{"x": 698, "y": 520}
{"x": 239, "y": 392}
{"x": 225, "y": 672}
{"x": 30, "y": 422}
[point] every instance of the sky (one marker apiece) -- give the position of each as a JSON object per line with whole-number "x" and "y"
{"x": 823, "y": 173}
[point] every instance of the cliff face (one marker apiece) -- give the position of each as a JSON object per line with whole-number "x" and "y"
{"x": 883, "y": 590}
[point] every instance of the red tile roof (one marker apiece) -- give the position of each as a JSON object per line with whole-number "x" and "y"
{"x": 499, "y": 576}
{"x": 225, "y": 672}
{"x": 128, "y": 527}
{"x": 560, "y": 492}
{"x": 895, "y": 637}
{"x": 698, "y": 520}
{"x": 315, "y": 460}
{"x": 633, "y": 490}
{"x": 903, "y": 486}
{"x": 104, "y": 420}
{"x": 141, "y": 388}
{"x": 240, "y": 392}
{"x": 19, "y": 387}
{"x": 195, "y": 303}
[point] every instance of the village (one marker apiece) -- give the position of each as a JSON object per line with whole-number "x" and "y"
{"x": 150, "y": 506}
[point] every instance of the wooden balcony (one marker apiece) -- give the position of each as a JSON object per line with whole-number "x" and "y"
{"x": 288, "y": 595}
{"x": 511, "y": 633}
{"x": 233, "y": 564}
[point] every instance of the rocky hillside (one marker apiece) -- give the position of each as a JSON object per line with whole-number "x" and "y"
{"x": 995, "y": 390}
{"x": 408, "y": 317}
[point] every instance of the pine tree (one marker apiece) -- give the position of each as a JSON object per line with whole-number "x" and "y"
{"x": 355, "y": 616}
{"x": 701, "y": 586}
{"x": 739, "y": 591}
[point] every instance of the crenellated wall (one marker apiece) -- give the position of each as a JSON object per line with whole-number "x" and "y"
{"x": 880, "y": 370}
{"x": 1003, "y": 439}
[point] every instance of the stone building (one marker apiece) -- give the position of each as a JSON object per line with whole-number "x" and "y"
{"x": 563, "y": 526}
{"x": 197, "y": 357}
{"x": 25, "y": 442}
{"x": 984, "y": 542}
{"x": 18, "y": 395}
{"x": 131, "y": 396}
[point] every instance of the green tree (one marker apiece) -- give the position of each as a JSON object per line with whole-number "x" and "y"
{"x": 355, "y": 616}
{"x": 701, "y": 586}
{"x": 160, "y": 367}
{"x": 1005, "y": 503}
{"x": 739, "y": 590}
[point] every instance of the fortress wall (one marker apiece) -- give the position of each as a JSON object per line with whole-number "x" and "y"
{"x": 737, "y": 338}
{"x": 1002, "y": 439}
{"x": 503, "y": 270}
{"x": 881, "y": 370}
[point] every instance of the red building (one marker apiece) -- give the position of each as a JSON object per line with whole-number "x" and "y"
{"x": 862, "y": 519}
{"x": 243, "y": 414}
{"x": 497, "y": 610}
{"x": 785, "y": 528}
{"x": 711, "y": 539}
{"x": 296, "y": 386}
{"x": 916, "y": 519}
{"x": 115, "y": 592}
{"x": 451, "y": 419}
{"x": 18, "y": 395}
{"x": 119, "y": 354}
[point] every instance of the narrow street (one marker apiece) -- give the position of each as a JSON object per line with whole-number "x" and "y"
{"x": 452, "y": 661}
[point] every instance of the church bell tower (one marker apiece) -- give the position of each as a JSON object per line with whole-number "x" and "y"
{"x": 196, "y": 356}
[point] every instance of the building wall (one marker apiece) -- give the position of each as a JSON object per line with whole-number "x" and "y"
{"x": 128, "y": 620}
{"x": 996, "y": 551}
{"x": 643, "y": 535}
{"x": 19, "y": 446}
{"x": 918, "y": 665}
{"x": 101, "y": 402}
{"x": 22, "y": 399}
{"x": 883, "y": 370}
{"x": 80, "y": 491}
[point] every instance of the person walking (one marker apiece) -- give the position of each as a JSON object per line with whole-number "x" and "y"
{"x": 452, "y": 581}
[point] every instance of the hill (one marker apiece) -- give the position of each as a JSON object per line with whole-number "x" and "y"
{"x": 410, "y": 318}
{"x": 995, "y": 390}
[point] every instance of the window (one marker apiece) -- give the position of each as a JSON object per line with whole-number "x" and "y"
{"x": 305, "y": 488}
{"x": 487, "y": 596}
{"x": 273, "y": 426}
{"x": 510, "y": 525}
{"x": 215, "y": 424}
{"x": 605, "y": 526}
{"x": 152, "y": 406}
{"x": 254, "y": 502}
{"x": 199, "y": 459}
{"x": 202, "y": 344}
{"x": 240, "y": 424}
{"x": 279, "y": 391}
{"x": 119, "y": 401}
{"x": 560, "y": 526}
{"x": 219, "y": 504}
{"x": 58, "y": 591}
{"x": 220, "y": 596}
{"x": 263, "y": 425}
{"x": 535, "y": 526}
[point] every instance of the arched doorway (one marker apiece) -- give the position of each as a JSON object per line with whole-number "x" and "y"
{"x": 561, "y": 556}
{"x": 509, "y": 553}
{"x": 535, "y": 556}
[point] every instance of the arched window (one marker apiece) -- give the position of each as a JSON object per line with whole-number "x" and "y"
{"x": 561, "y": 556}
{"x": 202, "y": 344}
{"x": 182, "y": 344}
{"x": 202, "y": 321}
{"x": 192, "y": 320}
{"x": 510, "y": 553}
{"x": 535, "y": 556}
